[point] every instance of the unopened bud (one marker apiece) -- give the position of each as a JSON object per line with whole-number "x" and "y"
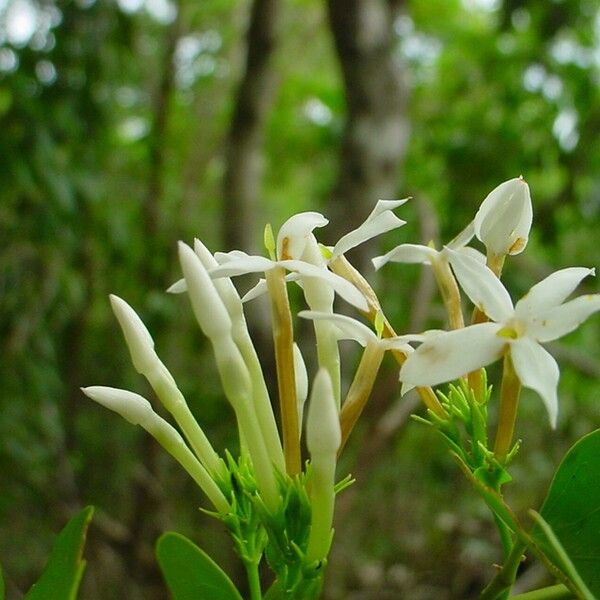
{"x": 139, "y": 340}
{"x": 504, "y": 218}
{"x": 323, "y": 434}
{"x": 210, "y": 312}
{"x": 132, "y": 407}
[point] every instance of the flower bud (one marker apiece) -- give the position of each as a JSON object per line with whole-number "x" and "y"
{"x": 211, "y": 314}
{"x": 504, "y": 218}
{"x": 132, "y": 407}
{"x": 323, "y": 434}
{"x": 139, "y": 340}
{"x": 301, "y": 377}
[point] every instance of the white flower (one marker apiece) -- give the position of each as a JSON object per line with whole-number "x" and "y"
{"x": 380, "y": 220}
{"x": 540, "y": 316}
{"x": 260, "y": 264}
{"x": 417, "y": 253}
{"x": 504, "y": 218}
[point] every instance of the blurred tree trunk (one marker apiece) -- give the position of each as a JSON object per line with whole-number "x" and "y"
{"x": 244, "y": 156}
{"x": 157, "y": 227}
{"x": 376, "y": 131}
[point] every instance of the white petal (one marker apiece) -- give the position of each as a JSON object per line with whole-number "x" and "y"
{"x": 323, "y": 434}
{"x": 451, "y": 354}
{"x": 481, "y": 285}
{"x": 243, "y": 266}
{"x": 347, "y": 327}
{"x": 295, "y": 232}
{"x": 406, "y": 253}
{"x": 341, "y": 286}
{"x": 537, "y": 370}
{"x": 504, "y": 218}
{"x": 179, "y": 287}
{"x": 551, "y": 291}
{"x": 223, "y": 257}
{"x": 406, "y": 387}
{"x": 556, "y": 322}
{"x": 399, "y": 343}
{"x": 473, "y": 253}
{"x": 463, "y": 238}
{"x": 381, "y": 220}
{"x": 258, "y": 290}
{"x": 130, "y": 406}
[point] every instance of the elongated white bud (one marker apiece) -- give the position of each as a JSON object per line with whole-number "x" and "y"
{"x": 131, "y": 406}
{"x": 139, "y": 341}
{"x": 504, "y": 218}
{"x": 241, "y": 336}
{"x": 323, "y": 438}
{"x": 137, "y": 410}
{"x": 223, "y": 285}
{"x": 323, "y": 434}
{"x": 210, "y": 312}
{"x": 301, "y": 376}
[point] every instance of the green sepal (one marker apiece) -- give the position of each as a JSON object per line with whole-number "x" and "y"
{"x": 64, "y": 569}
{"x": 341, "y": 485}
{"x": 190, "y": 573}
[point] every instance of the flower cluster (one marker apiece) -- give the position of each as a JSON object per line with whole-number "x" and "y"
{"x": 271, "y": 452}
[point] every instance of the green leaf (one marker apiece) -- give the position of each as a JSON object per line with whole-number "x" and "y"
{"x": 1, "y": 585}
{"x": 190, "y": 573}
{"x": 62, "y": 575}
{"x": 572, "y": 510}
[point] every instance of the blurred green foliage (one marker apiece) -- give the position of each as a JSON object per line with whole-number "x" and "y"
{"x": 113, "y": 119}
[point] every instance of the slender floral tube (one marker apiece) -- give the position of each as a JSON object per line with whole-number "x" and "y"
{"x": 320, "y": 298}
{"x": 241, "y": 336}
{"x": 283, "y": 338}
{"x": 360, "y": 389}
{"x": 147, "y": 363}
{"x": 342, "y": 267}
{"x": 449, "y": 291}
{"x": 137, "y": 410}
{"x": 509, "y": 403}
{"x": 323, "y": 438}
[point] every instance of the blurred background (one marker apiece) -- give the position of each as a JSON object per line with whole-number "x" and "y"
{"x": 129, "y": 124}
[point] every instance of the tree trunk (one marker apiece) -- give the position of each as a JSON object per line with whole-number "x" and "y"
{"x": 376, "y": 131}
{"x": 244, "y": 154}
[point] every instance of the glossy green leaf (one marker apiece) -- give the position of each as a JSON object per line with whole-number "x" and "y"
{"x": 549, "y": 549}
{"x": 572, "y": 511}
{"x": 62, "y": 575}
{"x": 190, "y": 573}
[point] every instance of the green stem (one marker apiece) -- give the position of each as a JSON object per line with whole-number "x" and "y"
{"x": 253, "y": 580}
{"x": 505, "y": 537}
{"x": 505, "y": 578}
{"x": 555, "y": 592}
